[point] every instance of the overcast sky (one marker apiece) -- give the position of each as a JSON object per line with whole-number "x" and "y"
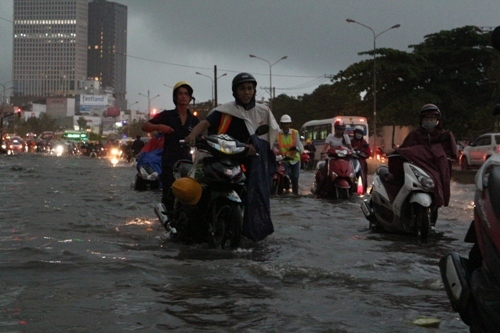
{"x": 171, "y": 40}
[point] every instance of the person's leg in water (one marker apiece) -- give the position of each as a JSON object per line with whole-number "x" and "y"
{"x": 294, "y": 175}
{"x": 167, "y": 179}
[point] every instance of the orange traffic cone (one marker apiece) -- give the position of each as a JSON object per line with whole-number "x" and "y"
{"x": 360, "y": 186}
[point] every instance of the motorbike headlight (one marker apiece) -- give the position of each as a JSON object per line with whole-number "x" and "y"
{"x": 425, "y": 181}
{"x": 226, "y": 147}
{"x": 341, "y": 153}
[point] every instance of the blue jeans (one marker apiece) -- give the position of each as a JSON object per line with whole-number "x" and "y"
{"x": 293, "y": 171}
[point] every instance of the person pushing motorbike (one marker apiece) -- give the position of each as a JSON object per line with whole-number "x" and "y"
{"x": 433, "y": 148}
{"x": 290, "y": 147}
{"x": 363, "y": 151}
{"x": 176, "y": 124}
{"x": 240, "y": 119}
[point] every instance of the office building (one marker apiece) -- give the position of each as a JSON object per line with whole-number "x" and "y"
{"x": 61, "y": 44}
{"x": 50, "y": 48}
{"x": 107, "y": 47}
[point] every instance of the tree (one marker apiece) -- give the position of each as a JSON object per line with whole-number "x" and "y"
{"x": 456, "y": 70}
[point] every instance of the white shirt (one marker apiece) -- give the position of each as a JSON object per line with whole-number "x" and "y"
{"x": 333, "y": 141}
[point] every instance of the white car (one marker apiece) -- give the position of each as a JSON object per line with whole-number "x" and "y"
{"x": 480, "y": 150}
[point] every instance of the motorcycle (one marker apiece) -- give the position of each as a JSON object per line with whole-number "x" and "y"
{"x": 281, "y": 180}
{"x": 305, "y": 160}
{"x": 401, "y": 204}
{"x": 473, "y": 284}
{"x": 149, "y": 167}
{"x": 336, "y": 177}
{"x": 217, "y": 216}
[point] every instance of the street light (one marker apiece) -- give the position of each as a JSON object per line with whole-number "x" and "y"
{"x": 4, "y": 90}
{"x": 212, "y": 80}
{"x": 270, "y": 75}
{"x": 149, "y": 102}
{"x": 130, "y": 104}
{"x": 374, "y": 76}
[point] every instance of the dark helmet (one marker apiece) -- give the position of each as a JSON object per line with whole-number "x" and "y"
{"x": 430, "y": 109}
{"x": 242, "y": 78}
{"x": 182, "y": 84}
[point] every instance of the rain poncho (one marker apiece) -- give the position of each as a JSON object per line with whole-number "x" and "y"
{"x": 151, "y": 154}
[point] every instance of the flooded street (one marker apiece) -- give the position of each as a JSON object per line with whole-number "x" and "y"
{"x": 82, "y": 252}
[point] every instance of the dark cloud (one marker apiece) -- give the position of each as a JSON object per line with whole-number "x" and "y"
{"x": 169, "y": 41}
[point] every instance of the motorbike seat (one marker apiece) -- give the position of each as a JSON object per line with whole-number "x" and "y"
{"x": 494, "y": 190}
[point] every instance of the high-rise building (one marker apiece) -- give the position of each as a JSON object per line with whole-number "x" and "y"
{"x": 60, "y": 44}
{"x": 107, "y": 47}
{"x": 50, "y": 47}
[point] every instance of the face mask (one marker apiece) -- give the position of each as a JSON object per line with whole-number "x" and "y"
{"x": 429, "y": 124}
{"x": 358, "y": 136}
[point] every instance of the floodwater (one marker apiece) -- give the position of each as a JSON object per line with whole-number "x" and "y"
{"x": 82, "y": 252}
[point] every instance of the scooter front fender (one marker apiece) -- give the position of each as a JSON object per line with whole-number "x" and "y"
{"x": 423, "y": 199}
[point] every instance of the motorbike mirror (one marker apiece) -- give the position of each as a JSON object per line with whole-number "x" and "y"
{"x": 496, "y": 110}
{"x": 262, "y": 129}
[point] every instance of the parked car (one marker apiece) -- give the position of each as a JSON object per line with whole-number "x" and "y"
{"x": 480, "y": 150}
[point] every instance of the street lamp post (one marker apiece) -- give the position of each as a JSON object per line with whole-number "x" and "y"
{"x": 130, "y": 105}
{"x": 4, "y": 90}
{"x": 374, "y": 76}
{"x": 149, "y": 102}
{"x": 270, "y": 75}
{"x": 212, "y": 80}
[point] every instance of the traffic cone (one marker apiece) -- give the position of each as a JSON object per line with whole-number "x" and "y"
{"x": 360, "y": 186}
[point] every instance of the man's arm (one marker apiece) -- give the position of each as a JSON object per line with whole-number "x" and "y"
{"x": 201, "y": 127}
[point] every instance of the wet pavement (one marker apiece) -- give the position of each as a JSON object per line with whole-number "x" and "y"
{"x": 82, "y": 252}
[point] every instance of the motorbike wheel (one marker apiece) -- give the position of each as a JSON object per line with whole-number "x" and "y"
{"x": 421, "y": 217}
{"x": 226, "y": 225}
{"x": 274, "y": 187}
{"x": 139, "y": 184}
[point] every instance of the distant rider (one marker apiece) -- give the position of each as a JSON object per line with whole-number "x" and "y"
{"x": 312, "y": 152}
{"x": 137, "y": 145}
{"x": 290, "y": 147}
{"x": 363, "y": 151}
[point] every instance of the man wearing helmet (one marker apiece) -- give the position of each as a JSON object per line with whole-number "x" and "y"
{"x": 240, "y": 119}
{"x": 290, "y": 147}
{"x": 433, "y": 148}
{"x": 363, "y": 151}
{"x": 175, "y": 124}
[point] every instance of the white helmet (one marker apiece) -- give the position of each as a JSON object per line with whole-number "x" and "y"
{"x": 285, "y": 119}
{"x": 359, "y": 129}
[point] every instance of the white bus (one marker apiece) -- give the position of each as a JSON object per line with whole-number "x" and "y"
{"x": 318, "y": 130}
